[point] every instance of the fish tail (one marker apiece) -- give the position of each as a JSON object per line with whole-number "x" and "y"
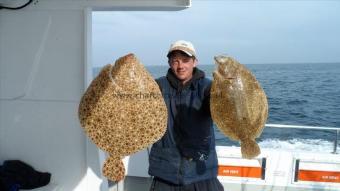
{"x": 113, "y": 169}
{"x": 249, "y": 148}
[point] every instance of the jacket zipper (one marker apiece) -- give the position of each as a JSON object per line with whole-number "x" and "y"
{"x": 180, "y": 170}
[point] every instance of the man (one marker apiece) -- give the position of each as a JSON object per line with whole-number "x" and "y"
{"x": 185, "y": 157}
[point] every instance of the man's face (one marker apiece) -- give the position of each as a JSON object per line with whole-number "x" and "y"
{"x": 182, "y": 65}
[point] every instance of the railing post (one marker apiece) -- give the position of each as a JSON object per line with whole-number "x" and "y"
{"x": 336, "y": 141}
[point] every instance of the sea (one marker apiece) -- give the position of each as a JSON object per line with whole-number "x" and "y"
{"x": 298, "y": 94}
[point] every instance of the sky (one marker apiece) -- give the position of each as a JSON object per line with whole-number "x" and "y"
{"x": 253, "y": 32}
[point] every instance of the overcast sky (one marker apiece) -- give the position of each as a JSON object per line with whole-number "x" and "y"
{"x": 254, "y": 32}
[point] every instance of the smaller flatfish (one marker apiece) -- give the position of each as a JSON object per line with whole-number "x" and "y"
{"x": 238, "y": 104}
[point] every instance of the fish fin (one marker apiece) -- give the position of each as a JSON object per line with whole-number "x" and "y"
{"x": 249, "y": 148}
{"x": 113, "y": 169}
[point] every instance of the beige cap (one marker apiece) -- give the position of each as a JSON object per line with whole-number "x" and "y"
{"x": 184, "y": 46}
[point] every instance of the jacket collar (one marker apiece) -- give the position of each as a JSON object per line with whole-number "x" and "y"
{"x": 177, "y": 84}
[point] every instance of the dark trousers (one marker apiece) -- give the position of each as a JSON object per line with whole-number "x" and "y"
{"x": 204, "y": 185}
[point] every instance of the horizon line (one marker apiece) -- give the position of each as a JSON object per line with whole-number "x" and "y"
{"x": 275, "y": 63}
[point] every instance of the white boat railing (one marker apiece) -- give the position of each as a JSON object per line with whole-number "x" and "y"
{"x": 335, "y": 129}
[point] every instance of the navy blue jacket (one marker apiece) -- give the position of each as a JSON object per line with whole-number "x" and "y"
{"x": 186, "y": 153}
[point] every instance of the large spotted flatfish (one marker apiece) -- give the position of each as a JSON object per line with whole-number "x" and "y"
{"x": 122, "y": 112}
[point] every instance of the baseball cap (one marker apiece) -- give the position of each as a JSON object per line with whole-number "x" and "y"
{"x": 184, "y": 46}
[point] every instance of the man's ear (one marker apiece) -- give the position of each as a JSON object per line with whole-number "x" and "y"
{"x": 195, "y": 62}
